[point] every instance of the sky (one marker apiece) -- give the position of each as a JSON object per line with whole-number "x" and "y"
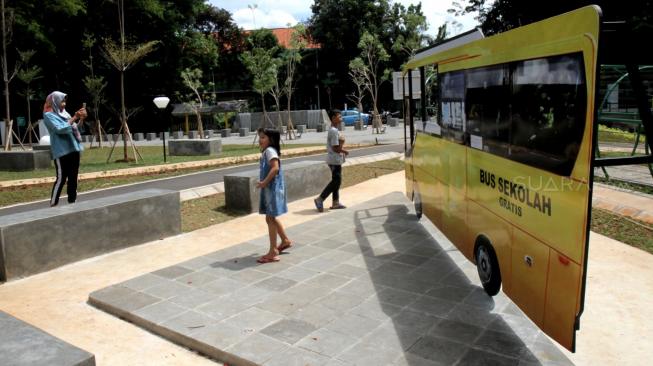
{"x": 253, "y": 14}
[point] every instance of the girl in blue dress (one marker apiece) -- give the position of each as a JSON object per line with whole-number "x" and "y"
{"x": 272, "y": 202}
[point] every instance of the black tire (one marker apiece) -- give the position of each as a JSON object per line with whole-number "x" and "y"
{"x": 417, "y": 199}
{"x": 487, "y": 266}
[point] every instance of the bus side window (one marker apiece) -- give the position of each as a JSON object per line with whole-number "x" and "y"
{"x": 452, "y": 105}
{"x": 549, "y": 100}
{"x": 487, "y": 103}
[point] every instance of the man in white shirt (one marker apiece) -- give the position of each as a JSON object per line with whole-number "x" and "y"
{"x": 335, "y": 157}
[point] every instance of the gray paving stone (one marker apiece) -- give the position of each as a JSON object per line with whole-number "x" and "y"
{"x": 347, "y": 270}
{"x": 479, "y": 298}
{"x": 22, "y": 344}
{"x": 397, "y": 297}
{"x": 123, "y": 299}
{"x": 502, "y": 343}
{"x": 252, "y": 318}
{"x": 341, "y": 301}
{"x": 160, "y": 312}
{"x": 251, "y": 295}
{"x": 410, "y": 259}
{"x": 328, "y": 243}
{"x": 408, "y": 359}
{"x": 275, "y": 283}
{"x": 327, "y": 280}
{"x": 220, "y": 336}
{"x": 320, "y": 264}
{"x": 450, "y": 293}
{"x": 167, "y": 290}
{"x": 432, "y": 306}
{"x": 222, "y": 286}
{"x": 196, "y": 278}
{"x": 298, "y": 273}
{"x": 475, "y": 357}
{"x": 248, "y": 275}
{"x": 315, "y": 314}
{"x": 258, "y": 348}
{"x": 355, "y": 248}
{"x": 372, "y": 308}
{"x": 336, "y": 255}
{"x": 326, "y": 342}
{"x": 360, "y": 287}
{"x": 294, "y": 356}
{"x": 439, "y": 350}
{"x": 471, "y": 315}
{"x": 368, "y": 354}
{"x": 289, "y": 330}
{"x": 188, "y": 322}
{"x": 456, "y": 331}
{"x": 393, "y": 337}
{"x": 354, "y": 325}
{"x": 192, "y": 298}
{"x": 145, "y": 281}
{"x": 289, "y": 301}
{"x": 172, "y": 272}
{"x": 417, "y": 321}
{"x": 221, "y": 308}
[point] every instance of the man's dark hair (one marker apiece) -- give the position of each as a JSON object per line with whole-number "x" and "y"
{"x": 333, "y": 112}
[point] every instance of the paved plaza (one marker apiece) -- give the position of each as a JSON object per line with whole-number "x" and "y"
{"x": 369, "y": 285}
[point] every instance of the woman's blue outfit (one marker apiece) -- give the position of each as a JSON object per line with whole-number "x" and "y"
{"x": 272, "y": 201}
{"x": 64, "y": 147}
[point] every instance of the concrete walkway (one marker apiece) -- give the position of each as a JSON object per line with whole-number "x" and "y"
{"x": 615, "y": 329}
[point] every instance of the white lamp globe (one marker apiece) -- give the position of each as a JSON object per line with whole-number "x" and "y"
{"x": 161, "y": 102}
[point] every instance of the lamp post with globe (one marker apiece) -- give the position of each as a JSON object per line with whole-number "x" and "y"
{"x": 162, "y": 103}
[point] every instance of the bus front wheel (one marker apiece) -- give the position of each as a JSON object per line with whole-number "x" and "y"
{"x": 418, "y": 204}
{"x": 487, "y": 266}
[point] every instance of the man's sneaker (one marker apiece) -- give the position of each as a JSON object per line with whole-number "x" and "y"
{"x": 337, "y": 206}
{"x": 319, "y": 205}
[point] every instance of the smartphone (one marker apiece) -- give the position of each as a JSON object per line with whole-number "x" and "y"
{"x": 84, "y": 105}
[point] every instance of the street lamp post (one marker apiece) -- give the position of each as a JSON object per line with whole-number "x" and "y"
{"x": 162, "y": 103}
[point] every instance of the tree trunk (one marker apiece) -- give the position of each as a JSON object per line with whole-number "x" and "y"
{"x": 29, "y": 120}
{"x": 5, "y": 75}
{"x": 123, "y": 115}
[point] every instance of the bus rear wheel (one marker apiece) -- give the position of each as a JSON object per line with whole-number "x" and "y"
{"x": 487, "y": 266}
{"x": 417, "y": 199}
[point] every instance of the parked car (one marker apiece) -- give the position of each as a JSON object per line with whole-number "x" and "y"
{"x": 350, "y": 116}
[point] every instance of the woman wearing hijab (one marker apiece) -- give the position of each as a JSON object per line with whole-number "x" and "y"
{"x": 65, "y": 144}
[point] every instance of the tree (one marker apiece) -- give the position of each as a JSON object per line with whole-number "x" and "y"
{"x": 372, "y": 55}
{"x": 502, "y": 15}
{"x": 95, "y": 86}
{"x": 28, "y": 74}
{"x": 357, "y": 75}
{"x": 408, "y": 28}
{"x": 193, "y": 80}
{"x": 329, "y": 81}
{"x": 263, "y": 68}
{"x": 123, "y": 57}
{"x": 277, "y": 93}
{"x": 292, "y": 57}
{"x": 7, "y": 76}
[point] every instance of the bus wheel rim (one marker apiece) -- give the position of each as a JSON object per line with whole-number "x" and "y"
{"x": 484, "y": 267}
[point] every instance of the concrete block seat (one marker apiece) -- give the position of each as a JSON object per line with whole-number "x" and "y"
{"x": 25, "y": 160}
{"x": 303, "y": 179}
{"x": 24, "y": 345}
{"x": 195, "y": 147}
{"x": 40, "y": 240}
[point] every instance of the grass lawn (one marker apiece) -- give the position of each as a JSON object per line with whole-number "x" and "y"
{"x": 607, "y": 134}
{"x": 211, "y": 210}
{"x": 632, "y": 232}
{"x": 95, "y": 160}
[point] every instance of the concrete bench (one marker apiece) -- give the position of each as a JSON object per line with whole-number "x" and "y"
{"x": 40, "y": 240}
{"x": 150, "y": 136}
{"x": 195, "y": 147}
{"x": 25, "y": 160}
{"x": 22, "y": 344}
{"x": 303, "y": 179}
{"x": 225, "y": 133}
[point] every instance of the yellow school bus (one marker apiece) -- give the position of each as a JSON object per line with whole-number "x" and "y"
{"x": 500, "y": 158}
